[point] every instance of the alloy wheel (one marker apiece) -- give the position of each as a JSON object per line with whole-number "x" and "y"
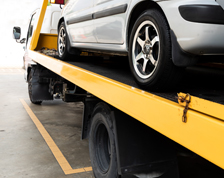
{"x": 62, "y": 41}
{"x": 145, "y": 49}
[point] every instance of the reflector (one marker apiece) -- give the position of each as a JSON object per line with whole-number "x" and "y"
{"x": 57, "y": 1}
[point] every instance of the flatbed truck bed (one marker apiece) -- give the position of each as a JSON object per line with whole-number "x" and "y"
{"x": 110, "y": 81}
{"x": 159, "y": 111}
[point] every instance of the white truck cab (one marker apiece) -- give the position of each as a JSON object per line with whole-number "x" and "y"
{"x": 49, "y": 26}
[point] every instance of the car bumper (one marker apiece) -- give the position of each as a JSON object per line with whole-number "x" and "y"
{"x": 198, "y": 25}
{"x": 208, "y": 14}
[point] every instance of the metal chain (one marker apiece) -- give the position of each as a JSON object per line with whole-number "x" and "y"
{"x": 49, "y": 52}
{"x": 187, "y": 101}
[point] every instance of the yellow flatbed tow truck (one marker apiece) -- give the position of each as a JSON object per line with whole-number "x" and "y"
{"x": 115, "y": 109}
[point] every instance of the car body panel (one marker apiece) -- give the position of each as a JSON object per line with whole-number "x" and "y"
{"x": 194, "y": 38}
{"x": 80, "y": 31}
{"x": 113, "y": 24}
{"x": 111, "y": 32}
{"x": 221, "y": 2}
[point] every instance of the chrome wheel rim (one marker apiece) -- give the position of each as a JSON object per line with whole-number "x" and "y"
{"x": 61, "y": 41}
{"x": 146, "y": 49}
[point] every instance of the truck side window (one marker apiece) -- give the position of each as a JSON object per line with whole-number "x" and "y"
{"x": 30, "y": 29}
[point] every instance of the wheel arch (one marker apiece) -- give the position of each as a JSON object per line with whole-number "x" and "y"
{"x": 71, "y": 50}
{"x": 137, "y": 11}
{"x": 136, "y": 133}
{"x": 59, "y": 22}
{"x": 90, "y": 105}
{"x": 29, "y": 67}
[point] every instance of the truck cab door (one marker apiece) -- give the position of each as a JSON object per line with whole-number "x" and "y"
{"x": 109, "y": 20}
{"x": 31, "y": 28}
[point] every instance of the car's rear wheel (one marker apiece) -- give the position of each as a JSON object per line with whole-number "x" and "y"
{"x": 150, "y": 54}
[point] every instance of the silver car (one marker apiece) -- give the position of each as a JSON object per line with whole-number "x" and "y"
{"x": 161, "y": 37}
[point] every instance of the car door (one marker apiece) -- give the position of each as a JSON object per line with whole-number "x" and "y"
{"x": 79, "y": 21}
{"x": 109, "y": 20}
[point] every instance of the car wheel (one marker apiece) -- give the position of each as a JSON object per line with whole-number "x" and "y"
{"x": 63, "y": 42}
{"x": 150, "y": 56}
{"x": 102, "y": 144}
{"x": 30, "y": 89}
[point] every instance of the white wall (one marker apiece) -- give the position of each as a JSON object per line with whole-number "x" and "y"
{"x": 14, "y": 13}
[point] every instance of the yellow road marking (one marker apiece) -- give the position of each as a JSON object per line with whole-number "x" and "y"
{"x": 65, "y": 166}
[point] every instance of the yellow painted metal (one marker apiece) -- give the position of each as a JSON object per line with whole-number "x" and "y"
{"x": 205, "y": 106}
{"x": 47, "y": 41}
{"x": 36, "y": 32}
{"x": 202, "y": 134}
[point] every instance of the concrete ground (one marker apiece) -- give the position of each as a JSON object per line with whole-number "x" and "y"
{"x": 23, "y": 151}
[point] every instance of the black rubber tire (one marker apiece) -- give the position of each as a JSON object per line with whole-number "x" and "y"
{"x": 166, "y": 74}
{"x": 102, "y": 143}
{"x": 65, "y": 55}
{"x": 30, "y": 89}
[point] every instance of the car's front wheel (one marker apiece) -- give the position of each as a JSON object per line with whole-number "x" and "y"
{"x": 63, "y": 42}
{"x": 150, "y": 55}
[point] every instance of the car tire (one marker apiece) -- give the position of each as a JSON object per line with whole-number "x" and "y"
{"x": 102, "y": 144}
{"x": 150, "y": 55}
{"x": 63, "y": 42}
{"x": 30, "y": 89}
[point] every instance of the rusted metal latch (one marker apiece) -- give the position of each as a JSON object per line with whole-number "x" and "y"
{"x": 187, "y": 100}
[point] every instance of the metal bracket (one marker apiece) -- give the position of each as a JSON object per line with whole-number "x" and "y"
{"x": 187, "y": 100}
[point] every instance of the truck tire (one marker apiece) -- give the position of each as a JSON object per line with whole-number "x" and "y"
{"x": 150, "y": 55}
{"x": 30, "y": 89}
{"x": 102, "y": 143}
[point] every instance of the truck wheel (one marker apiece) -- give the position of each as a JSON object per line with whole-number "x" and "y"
{"x": 102, "y": 143}
{"x": 63, "y": 42}
{"x": 30, "y": 89}
{"x": 150, "y": 56}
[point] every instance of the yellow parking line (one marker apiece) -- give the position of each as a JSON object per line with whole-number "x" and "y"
{"x": 65, "y": 166}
